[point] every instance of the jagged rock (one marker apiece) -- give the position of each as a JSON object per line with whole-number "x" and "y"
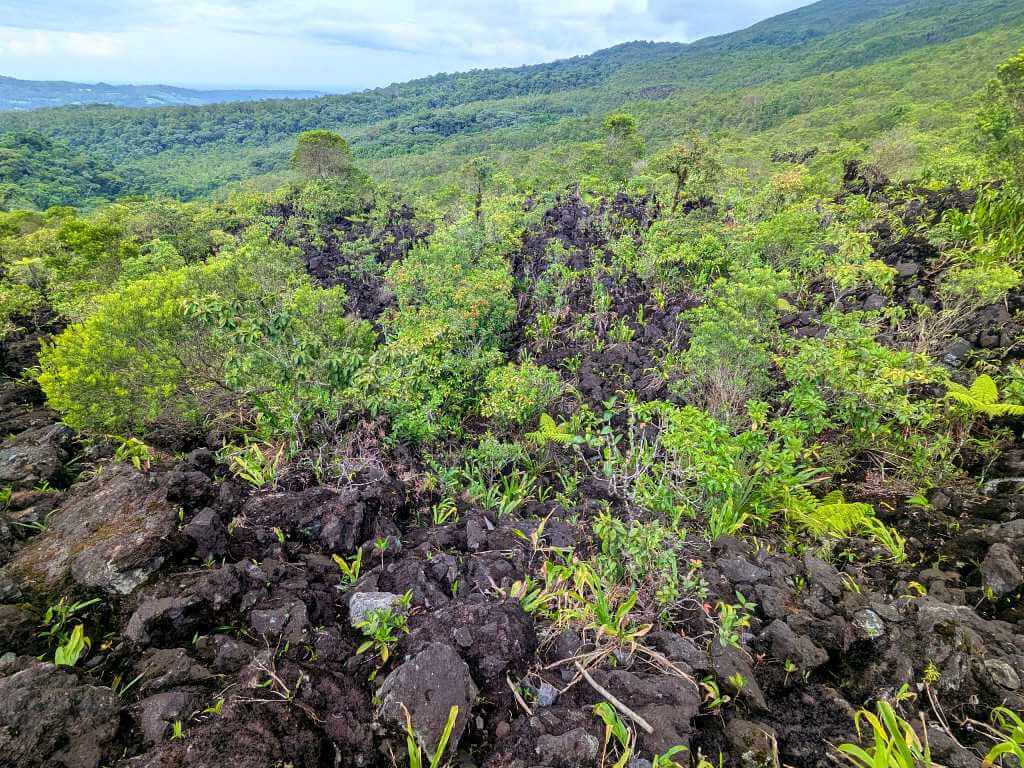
{"x": 789, "y": 646}
{"x": 428, "y": 685}
{"x": 110, "y": 533}
{"x": 208, "y": 532}
{"x": 168, "y": 617}
{"x": 868, "y": 624}
{"x": 823, "y": 574}
{"x": 1003, "y": 674}
{"x": 163, "y": 668}
{"x": 189, "y": 488}
{"x": 286, "y": 623}
{"x": 1000, "y": 570}
{"x": 547, "y": 694}
{"x": 739, "y": 570}
{"x": 48, "y": 718}
{"x": 729, "y": 661}
{"x": 753, "y": 742}
{"x": 225, "y": 654}
{"x": 361, "y": 604}
{"x": 156, "y": 713}
{"x": 492, "y": 637}
{"x": 34, "y": 456}
{"x": 668, "y": 702}
{"x": 572, "y": 748}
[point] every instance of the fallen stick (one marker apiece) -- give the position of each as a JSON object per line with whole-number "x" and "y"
{"x": 613, "y": 701}
{"x": 519, "y": 699}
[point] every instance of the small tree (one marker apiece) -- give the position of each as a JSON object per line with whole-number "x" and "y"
{"x": 322, "y": 155}
{"x": 693, "y": 164}
{"x": 623, "y": 145}
{"x": 1001, "y": 119}
{"x": 478, "y": 173}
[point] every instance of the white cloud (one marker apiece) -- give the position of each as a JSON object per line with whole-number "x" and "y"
{"x": 331, "y": 43}
{"x": 45, "y": 42}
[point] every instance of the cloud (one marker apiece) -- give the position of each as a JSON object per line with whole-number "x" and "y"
{"x": 47, "y": 43}
{"x": 323, "y": 42}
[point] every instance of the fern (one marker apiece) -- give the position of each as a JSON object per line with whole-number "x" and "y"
{"x": 550, "y": 432}
{"x": 835, "y": 516}
{"x": 982, "y": 398}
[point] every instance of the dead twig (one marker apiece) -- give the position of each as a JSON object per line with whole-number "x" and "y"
{"x": 614, "y": 701}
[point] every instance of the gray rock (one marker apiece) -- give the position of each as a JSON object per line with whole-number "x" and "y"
{"x": 728, "y": 661}
{"x": 754, "y": 742}
{"x": 787, "y": 645}
{"x": 1000, "y": 571}
{"x": 427, "y": 686}
{"x": 156, "y": 713}
{"x": 48, "y": 718}
{"x": 34, "y": 456}
{"x": 823, "y": 574}
{"x": 739, "y": 570}
{"x": 361, "y": 604}
{"x": 874, "y": 302}
{"x": 1003, "y": 674}
{"x": 956, "y": 351}
{"x": 547, "y": 694}
{"x": 906, "y": 269}
{"x": 208, "y": 532}
{"x": 287, "y": 623}
{"x": 868, "y": 624}
{"x": 572, "y": 748}
{"x": 110, "y": 533}
{"x": 169, "y": 616}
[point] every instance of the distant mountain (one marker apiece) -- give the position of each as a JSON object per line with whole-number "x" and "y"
{"x": 833, "y": 72}
{"x": 33, "y": 94}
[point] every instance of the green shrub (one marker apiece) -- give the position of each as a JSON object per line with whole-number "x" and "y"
{"x": 243, "y": 338}
{"x": 516, "y": 395}
{"x": 455, "y": 306}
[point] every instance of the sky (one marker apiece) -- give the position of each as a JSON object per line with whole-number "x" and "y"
{"x": 333, "y": 45}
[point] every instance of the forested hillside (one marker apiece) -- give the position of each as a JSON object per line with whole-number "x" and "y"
{"x": 673, "y": 420}
{"x": 843, "y": 54}
{"x": 18, "y": 94}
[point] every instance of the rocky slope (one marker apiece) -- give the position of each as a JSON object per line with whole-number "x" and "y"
{"x": 223, "y": 632}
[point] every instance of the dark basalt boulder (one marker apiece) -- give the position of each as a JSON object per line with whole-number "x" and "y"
{"x": 110, "y": 533}
{"x": 427, "y": 686}
{"x": 49, "y": 719}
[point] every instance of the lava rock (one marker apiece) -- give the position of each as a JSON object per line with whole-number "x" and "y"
{"x": 34, "y": 456}
{"x": 427, "y": 686}
{"x": 48, "y": 718}
{"x": 110, "y": 533}
{"x": 493, "y": 637}
{"x": 167, "y": 618}
{"x": 362, "y": 604}
{"x": 287, "y": 623}
{"x": 156, "y": 713}
{"x": 570, "y": 749}
{"x": 789, "y": 646}
{"x": 1000, "y": 570}
{"x": 208, "y": 532}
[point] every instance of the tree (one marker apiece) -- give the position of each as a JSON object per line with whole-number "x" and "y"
{"x": 623, "y": 145}
{"x": 478, "y": 173}
{"x": 322, "y": 155}
{"x": 692, "y": 163}
{"x": 1001, "y": 119}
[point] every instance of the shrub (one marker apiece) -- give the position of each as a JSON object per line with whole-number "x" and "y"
{"x": 455, "y": 306}
{"x": 242, "y": 338}
{"x": 516, "y": 395}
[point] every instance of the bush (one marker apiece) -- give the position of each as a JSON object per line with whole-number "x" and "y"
{"x": 243, "y": 338}
{"x": 455, "y": 306}
{"x": 516, "y": 395}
